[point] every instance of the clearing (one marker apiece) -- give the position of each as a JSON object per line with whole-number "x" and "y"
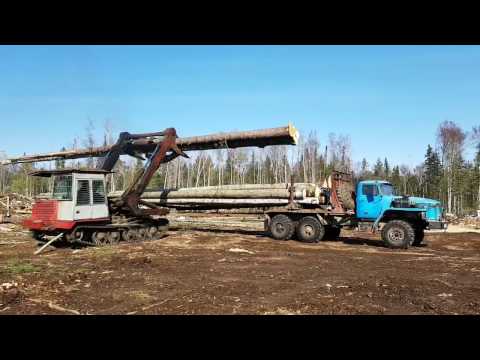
{"x": 224, "y": 265}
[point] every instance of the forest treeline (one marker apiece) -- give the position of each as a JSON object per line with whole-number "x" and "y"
{"x": 445, "y": 173}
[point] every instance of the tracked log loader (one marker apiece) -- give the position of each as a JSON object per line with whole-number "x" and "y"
{"x": 80, "y": 210}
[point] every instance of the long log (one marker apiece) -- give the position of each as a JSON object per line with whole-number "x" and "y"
{"x": 244, "y": 190}
{"x": 286, "y": 135}
{"x": 220, "y": 194}
{"x": 310, "y": 187}
{"x": 217, "y": 203}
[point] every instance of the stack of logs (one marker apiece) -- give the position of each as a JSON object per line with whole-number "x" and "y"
{"x": 231, "y": 196}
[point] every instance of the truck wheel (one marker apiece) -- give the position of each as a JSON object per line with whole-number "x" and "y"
{"x": 398, "y": 234}
{"x": 310, "y": 230}
{"x": 419, "y": 235}
{"x": 282, "y": 227}
{"x": 331, "y": 233}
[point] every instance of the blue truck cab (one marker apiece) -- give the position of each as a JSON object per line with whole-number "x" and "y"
{"x": 404, "y": 218}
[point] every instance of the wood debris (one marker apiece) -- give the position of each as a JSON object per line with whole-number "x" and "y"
{"x": 13, "y": 206}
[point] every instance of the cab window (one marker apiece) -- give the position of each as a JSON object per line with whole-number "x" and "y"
{"x": 62, "y": 187}
{"x": 83, "y": 192}
{"x": 370, "y": 190}
{"x": 98, "y": 189}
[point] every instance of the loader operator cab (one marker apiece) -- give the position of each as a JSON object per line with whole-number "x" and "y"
{"x": 77, "y": 196}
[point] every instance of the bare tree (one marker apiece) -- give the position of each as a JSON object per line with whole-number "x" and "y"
{"x": 340, "y": 152}
{"x": 451, "y": 139}
{"x": 108, "y": 140}
{"x": 89, "y": 142}
{"x": 3, "y": 173}
{"x": 475, "y": 141}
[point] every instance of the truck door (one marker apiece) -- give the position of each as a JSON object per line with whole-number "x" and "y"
{"x": 369, "y": 202}
{"x": 83, "y": 202}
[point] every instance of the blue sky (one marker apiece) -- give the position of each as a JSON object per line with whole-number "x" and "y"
{"x": 388, "y": 99}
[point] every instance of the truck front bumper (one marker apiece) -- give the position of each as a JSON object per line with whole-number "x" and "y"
{"x": 437, "y": 225}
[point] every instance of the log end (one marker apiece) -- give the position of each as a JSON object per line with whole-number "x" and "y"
{"x": 293, "y": 132}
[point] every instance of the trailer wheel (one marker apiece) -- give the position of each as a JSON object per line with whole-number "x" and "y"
{"x": 419, "y": 236}
{"x": 310, "y": 230}
{"x": 398, "y": 234}
{"x": 282, "y": 227}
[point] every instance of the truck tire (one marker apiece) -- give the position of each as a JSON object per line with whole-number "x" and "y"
{"x": 310, "y": 230}
{"x": 398, "y": 234}
{"x": 282, "y": 227}
{"x": 419, "y": 236}
{"x": 331, "y": 233}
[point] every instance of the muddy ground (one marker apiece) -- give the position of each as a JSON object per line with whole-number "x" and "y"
{"x": 195, "y": 270}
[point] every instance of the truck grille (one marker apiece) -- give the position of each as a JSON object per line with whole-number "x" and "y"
{"x": 45, "y": 210}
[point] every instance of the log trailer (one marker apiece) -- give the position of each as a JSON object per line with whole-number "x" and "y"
{"x": 80, "y": 211}
{"x": 372, "y": 206}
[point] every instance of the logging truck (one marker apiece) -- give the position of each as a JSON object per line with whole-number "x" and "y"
{"x": 373, "y": 206}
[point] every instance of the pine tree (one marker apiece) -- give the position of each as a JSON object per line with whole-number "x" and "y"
{"x": 396, "y": 180}
{"x": 476, "y": 169}
{"x": 386, "y": 168}
{"x": 378, "y": 170}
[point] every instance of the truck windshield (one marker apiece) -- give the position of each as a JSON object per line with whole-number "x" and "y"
{"x": 62, "y": 187}
{"x": 387, "y": 189}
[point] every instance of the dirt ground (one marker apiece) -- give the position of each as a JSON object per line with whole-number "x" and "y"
{"x": 236, "y": 270}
